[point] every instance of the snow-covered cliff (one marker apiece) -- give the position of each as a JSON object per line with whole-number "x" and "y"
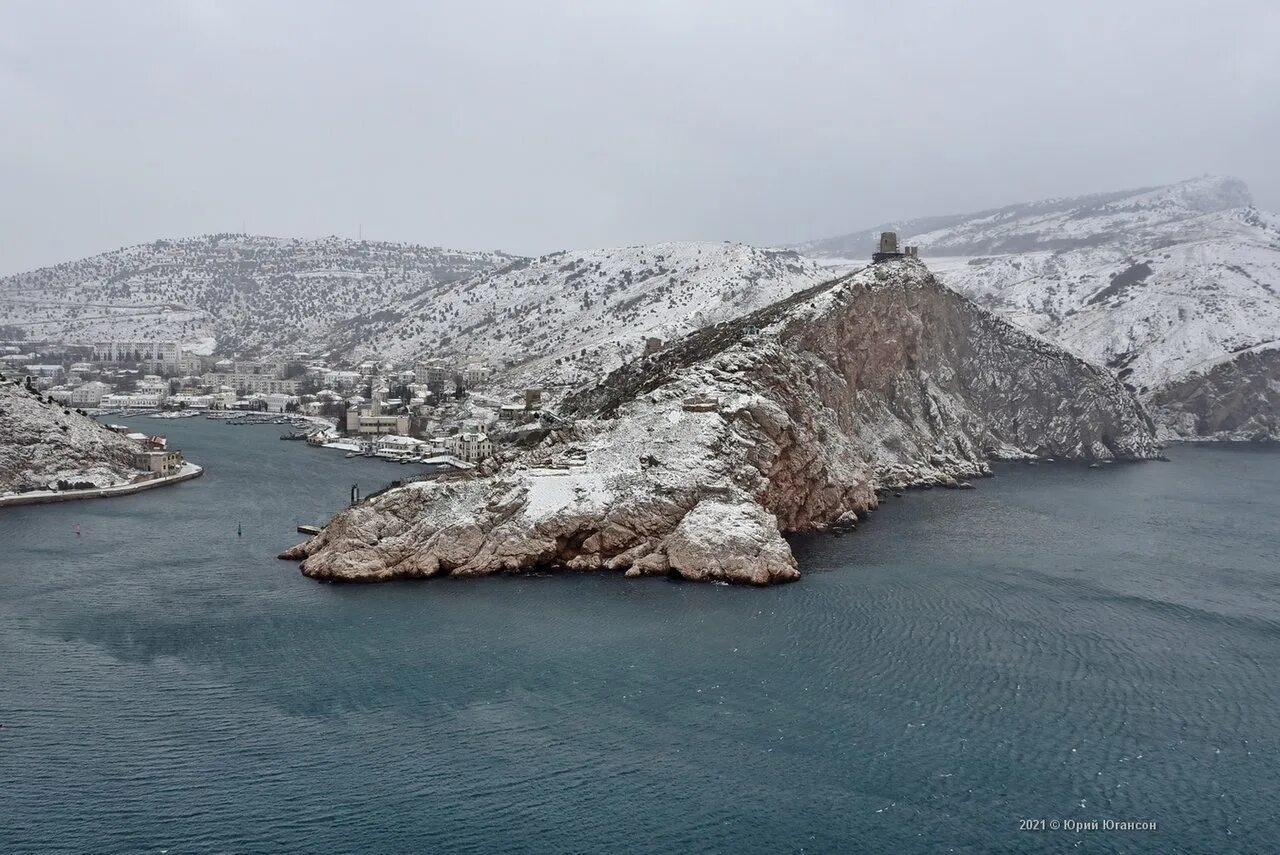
{"x": 694, "y": 461}
{"x": 43, "y": 443}
{"x": 1175, "y": 288}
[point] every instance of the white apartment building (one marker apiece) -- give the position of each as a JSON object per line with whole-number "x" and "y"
{"x": 153, "y": 385}
{"x": 89, "y": 394}
{"x": 253, "y": 383}
{"x": 131, "y": 400}
{"x": 278, "y": 402}
{"x": 166, "y": 353}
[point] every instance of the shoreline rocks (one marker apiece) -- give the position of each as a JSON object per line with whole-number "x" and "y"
{"x": 879, "y": 381}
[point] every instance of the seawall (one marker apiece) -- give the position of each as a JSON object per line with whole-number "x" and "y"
{"x": 188, "y": 471}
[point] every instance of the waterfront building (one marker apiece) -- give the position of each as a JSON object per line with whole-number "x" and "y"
{"x": 160, "y": 462}
{"x": 394, "y": 445}
{"x": 153, "y": 385}
{"x": 131, "y": 400}
{"x": 188, "y": 401}
{"x": 471, "y": 447}
{"x": 278, "y": 402}
{"x": 89, "y": 394}
{"x": 368, "y": 423}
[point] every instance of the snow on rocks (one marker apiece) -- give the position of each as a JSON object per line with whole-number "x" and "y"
{"x": 1174, "y": 288}
{"x": 696, "y": 460}
{"x": 43, "y": 443}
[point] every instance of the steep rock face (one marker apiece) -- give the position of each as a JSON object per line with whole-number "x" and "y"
{"x": 694, "y": 461}
{"x": 43, "y": 443}
{"x": 1163, "y": 285}
{"x": 1238, "y": 398}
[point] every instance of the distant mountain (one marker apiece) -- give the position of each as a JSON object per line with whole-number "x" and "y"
{"x": 235, "y": 292}
{"x": 1175, "y": 288}
{"x": 570, "y": 317}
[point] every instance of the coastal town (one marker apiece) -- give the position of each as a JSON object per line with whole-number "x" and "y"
{"x": 444, "y": 412}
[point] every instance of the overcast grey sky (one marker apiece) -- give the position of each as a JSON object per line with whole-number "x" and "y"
{"x": 533, "y": 126}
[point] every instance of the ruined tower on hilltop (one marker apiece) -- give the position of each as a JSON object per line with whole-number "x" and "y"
{"x": 888, "y": 249}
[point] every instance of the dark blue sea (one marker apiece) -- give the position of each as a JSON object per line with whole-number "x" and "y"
{"x": 1060, "y": 645}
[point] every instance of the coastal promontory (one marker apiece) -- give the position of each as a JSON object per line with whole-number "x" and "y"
{"x": 695, "y": 461}
{"x": 48, "y": 448}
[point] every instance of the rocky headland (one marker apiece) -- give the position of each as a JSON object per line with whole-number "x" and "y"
{"x": 695, "y": 461}
{"x": 45, "y": 446}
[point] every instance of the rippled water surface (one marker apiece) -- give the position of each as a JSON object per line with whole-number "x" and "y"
{"x": 1060, "y": 644}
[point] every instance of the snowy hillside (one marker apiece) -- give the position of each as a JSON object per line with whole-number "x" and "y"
{"x": 1163, "y": 285}
{"x": 570, "y": 317}
{"x": 42, "y": 443}
{"x": 242, "y": 291}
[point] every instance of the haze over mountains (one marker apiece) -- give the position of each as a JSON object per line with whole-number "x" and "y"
{"x": 1174, "y": 288}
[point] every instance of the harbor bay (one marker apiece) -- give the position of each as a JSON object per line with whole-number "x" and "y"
{"x": 963, "y": 661}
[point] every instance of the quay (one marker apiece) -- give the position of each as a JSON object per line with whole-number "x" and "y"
{"x": 42, "y": 497}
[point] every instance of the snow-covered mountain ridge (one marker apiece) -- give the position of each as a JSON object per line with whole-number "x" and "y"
{"x": 1175, "y": 288}
{"x": 241, "y": 292}
{"x": 571, "y": 317}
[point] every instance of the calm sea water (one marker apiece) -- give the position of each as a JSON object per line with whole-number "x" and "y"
{"x": 1060, "y": 644}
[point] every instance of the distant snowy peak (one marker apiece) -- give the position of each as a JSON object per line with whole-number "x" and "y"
{"x": 570, "y": 317}
{"x": 1205, "y": 195}
{"x": 1061, "y": 223}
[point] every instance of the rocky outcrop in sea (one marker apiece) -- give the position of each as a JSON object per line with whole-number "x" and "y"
{"x": 695, "y": 461}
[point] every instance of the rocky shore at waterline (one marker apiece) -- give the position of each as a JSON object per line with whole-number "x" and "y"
{"x": 694, "y": 461}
